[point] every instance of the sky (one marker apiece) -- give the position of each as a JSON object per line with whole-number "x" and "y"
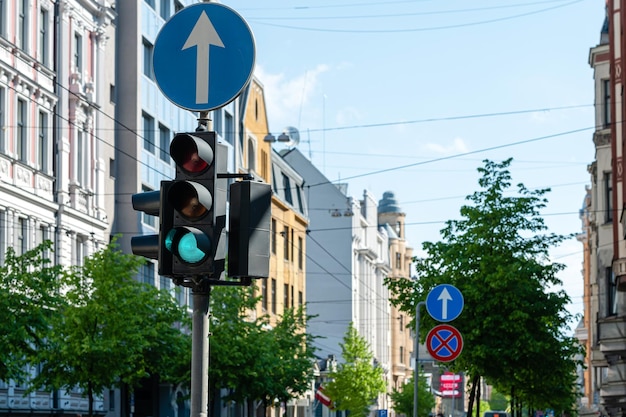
{"x": 411, "y": 97}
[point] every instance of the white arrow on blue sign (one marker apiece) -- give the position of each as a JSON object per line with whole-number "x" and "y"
{"x": 204, "y": 56}
{"x": 444, "y": 303}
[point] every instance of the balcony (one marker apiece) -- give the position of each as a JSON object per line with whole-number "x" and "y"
{"x": 612, "y": 337}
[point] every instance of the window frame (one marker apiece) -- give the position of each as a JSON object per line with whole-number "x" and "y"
{"x": 149, "y": 144}
{"x": 43, "y": 142}
{"x": 43, "y": 47}
{"x": 21, "y": 131}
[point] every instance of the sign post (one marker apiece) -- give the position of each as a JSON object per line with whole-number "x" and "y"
{"x": 203, "y": 59}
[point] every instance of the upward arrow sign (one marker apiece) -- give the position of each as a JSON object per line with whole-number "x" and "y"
{"x": 444, "y": 297}
{"x": 202, "y": 36}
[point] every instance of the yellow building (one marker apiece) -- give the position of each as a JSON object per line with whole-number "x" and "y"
{"x": 400, "y": 255}
{"x": 286, "y": 285}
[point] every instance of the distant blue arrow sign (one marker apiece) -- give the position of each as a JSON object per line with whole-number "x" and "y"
{"x": 204, "y": 56}
{"x": 444, "y": 303}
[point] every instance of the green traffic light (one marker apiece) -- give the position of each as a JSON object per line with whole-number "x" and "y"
{"x": 188, "y": 249}
{"x": 189, "y": 244}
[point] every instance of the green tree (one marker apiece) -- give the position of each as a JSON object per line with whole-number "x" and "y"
{"x": 403, "y": 398}
{"x": 513, "y": 322}
{"x": 291, "y": 370}
{"x": 253, "y": 360}
{"x": 29, "y": 296}
{"x": 113, "y": 330}
{"x": 357, "y": 382}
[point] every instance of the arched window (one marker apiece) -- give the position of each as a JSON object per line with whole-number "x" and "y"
{"x": 251, "y": 155}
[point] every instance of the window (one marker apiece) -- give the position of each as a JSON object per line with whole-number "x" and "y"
{"x": 164, "y": 143}
{"x": 611, "y": 292}
{"x": 147, "y": 58}
{"x": 165, "y": 9}
{"x": 273, "y": 296}
{"x": 148, "y": 133}
{"x": 111, "y": 400}
{"x": 606, "y": 103}
{"x": 299, "y": 195}
{"x": 286, "y": 296}
{"x": 300, "y": 253}
{"x": 217, "y": 122}
{"x": 21, "y": 139}
{"x": 22, "y": 241}
{"x": 287, "y": 186}
{"x": 300, "y": 299}
{"x": 146, "y": 218}
{"x": 3, "y": 14}
{"x": 401, "y": 354}
{"x": 264, "y": 160}
{"x": 81, "y": 250}
{"x": 608, "y": 197}
{"x": 22, "y": 24}
{"x": 181, "y": 295}
{"x": 150, "y": 3}
{"x": 147, "y": 273}
{"x": 44, "y": 36}
{"x": 274, "y": 236}
{"x": 43, "y": 236}
{"x": 43, "y": 145}
{"x": 251, "y": 155}
{"x": 264, "y": 294}
{"x": 398, "y": 260}
{"x": 81, "y": 159}
{"x": 292, "y": 296}
{"x": 165, "y": 283}
{"x": 285, "y": 235}
{"x": 178, "y": 6}
{"x": 229, "y": 126}
{"x": 78, "y": 52}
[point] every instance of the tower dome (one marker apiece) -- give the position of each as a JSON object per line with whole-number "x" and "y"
{"x": 389, "y": 204}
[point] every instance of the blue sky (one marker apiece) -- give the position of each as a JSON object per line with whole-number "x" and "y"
{"x": 437, "y": 86}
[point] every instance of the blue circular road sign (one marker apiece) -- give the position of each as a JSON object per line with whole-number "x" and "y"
{"x": 204, "y": 56}
{"x": 444, "y": 303}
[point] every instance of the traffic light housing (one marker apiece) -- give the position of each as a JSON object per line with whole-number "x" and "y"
{"x": 249, "y": 229}
{"x": 194, "y": 208}
{"x": 147, "y": 245}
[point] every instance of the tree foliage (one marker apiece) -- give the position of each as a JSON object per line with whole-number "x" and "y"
{"x": 357, "y": 382}
{"x": 253, "y": 360}
{"x": 513, "y": 322}
{"x": 403, "y": 398}
{"x": 112, "y": 329}
{"x": 29, "y": 295}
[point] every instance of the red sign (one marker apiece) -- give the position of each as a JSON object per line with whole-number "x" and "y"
{"x": 444, "y": 343}
{"x": 449, "y": 384}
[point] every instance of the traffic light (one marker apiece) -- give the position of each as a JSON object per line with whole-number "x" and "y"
{"x": 249, "y": 229}
{"x": 148, "y": 245}
{"x": 195, "y": 205}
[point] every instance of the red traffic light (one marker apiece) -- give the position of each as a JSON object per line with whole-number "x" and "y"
{"x": 191, "y": 154}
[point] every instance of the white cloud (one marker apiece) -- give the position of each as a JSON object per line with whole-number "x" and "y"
{"x": 286, "y": 97}
{"x": 457, "y": 146}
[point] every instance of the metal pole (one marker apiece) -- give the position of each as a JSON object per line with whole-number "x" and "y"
{"x": 200, "y": 354}
{"x": 416, "y": 349}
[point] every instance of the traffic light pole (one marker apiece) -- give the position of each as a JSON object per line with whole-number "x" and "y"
{"x": 416, "y": 349}
{"x": 200, "y": 352}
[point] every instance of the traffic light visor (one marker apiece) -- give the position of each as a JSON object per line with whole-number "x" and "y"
{"x": 190, "y": 199}
{"x": 191, "y": 245}
{"x": 191, "y": 154}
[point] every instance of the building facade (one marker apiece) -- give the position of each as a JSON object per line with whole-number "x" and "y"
{"x": 603, "y": 329}
{"x": 56, "y": 63}
{"x": 348, "y": 260}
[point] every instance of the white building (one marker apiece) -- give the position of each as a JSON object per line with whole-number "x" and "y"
{"x": 348, "y": 260}
{"x": 56, "y": 64}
